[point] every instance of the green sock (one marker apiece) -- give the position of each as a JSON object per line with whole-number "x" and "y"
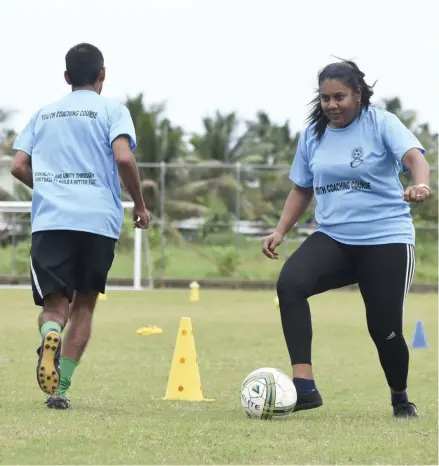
{"x": 50, "y": 326}
{"x": 67, "y": 368}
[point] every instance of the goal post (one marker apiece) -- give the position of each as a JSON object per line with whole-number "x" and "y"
{"x": 134, "y": 264}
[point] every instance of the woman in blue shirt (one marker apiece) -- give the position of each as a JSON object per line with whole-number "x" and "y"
{"x": 350, "y": 157}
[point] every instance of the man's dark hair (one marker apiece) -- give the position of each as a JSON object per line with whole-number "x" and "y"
{"x": 347, "y": 72}
{"x": 83, "y": 64}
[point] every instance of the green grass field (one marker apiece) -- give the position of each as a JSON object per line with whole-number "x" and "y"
{"x": 119, "y": 416}
{"x": 196, "y": 261}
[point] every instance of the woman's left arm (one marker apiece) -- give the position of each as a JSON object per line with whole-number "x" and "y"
{"x": 416, "y": 163}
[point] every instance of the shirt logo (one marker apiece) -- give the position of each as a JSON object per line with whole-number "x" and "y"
{"x": 357, "y": 157}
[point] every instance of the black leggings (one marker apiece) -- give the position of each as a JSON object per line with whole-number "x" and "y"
{"x": 384, "y": 275}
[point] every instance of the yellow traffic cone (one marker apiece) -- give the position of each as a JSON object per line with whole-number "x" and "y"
{"x": 195, "y": 291}
{"x": 184, "y": 381}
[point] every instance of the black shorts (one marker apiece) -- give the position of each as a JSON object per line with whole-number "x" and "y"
{"x": 65, "y": 261}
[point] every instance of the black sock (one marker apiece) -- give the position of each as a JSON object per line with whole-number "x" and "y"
{"x": 400, "y": 398}
{"x": 304, "y": 386}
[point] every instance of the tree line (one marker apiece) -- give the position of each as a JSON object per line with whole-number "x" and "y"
{"x": 196, "y": 180}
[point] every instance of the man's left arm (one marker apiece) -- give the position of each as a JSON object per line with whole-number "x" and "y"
{"x": 22, "y": 168}
{"x": 23, "y": 147}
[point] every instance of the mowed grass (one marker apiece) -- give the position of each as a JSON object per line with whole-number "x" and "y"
{"x": 194, "y": 262}
{"x": 190, "y": 261}
{"x": 119, "y": 416}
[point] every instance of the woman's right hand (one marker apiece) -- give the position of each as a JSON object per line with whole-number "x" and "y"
{"x": 269, "y": 244}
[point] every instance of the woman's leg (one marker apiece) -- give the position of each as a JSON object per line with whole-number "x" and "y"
{"x": 318, "y": 265}
{"x": 385, "y": 274}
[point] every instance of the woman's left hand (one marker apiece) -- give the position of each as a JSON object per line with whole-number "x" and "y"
{"x": 416, "y": 193}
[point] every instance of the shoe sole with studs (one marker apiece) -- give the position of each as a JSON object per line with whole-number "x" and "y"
{"x": 48, "y": 375}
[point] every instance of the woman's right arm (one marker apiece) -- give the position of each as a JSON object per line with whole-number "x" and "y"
{"x": 297, "y": 202}
{"x": 295, "y": 206}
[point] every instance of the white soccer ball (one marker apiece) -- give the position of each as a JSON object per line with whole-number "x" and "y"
{"x": 268, "y": 393}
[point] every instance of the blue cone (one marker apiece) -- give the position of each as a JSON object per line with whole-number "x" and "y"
{"x": 419, "y": 340}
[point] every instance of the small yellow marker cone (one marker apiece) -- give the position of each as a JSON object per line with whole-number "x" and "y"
{"x": 102, "y": 297}
{"x": 149, "y": 330}
{"x": 184, "y": 381}
{"x": 195, "y": 291}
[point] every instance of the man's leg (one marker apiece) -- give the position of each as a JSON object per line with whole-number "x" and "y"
{"x": 77, "y": 336}
{"x": 318, "y": 265}
{"x": 51, "y": 265}
{"x": 51, "y": 323}
{"x": 94, "y": 262}
{"x": 385, "y": 275}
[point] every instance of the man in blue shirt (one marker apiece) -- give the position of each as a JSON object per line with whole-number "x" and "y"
{"x": 350, "y": 157}
{"x": 71, "y": 153}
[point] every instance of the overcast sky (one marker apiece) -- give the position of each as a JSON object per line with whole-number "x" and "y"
{"x": 230, "y": 55}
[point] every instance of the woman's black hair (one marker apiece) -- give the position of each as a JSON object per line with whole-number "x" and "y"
{"x": 347, "y": 72}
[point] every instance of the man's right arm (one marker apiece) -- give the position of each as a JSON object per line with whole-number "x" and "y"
{"x": 128, "y": 171}
{"x": 123, "y": 141}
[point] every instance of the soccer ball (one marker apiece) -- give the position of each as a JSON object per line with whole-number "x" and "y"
{"x": 268, "y": 393}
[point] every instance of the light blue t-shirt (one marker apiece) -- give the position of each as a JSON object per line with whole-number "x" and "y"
{"x": 355, "y": 175}
{"x": 75, "y": 175}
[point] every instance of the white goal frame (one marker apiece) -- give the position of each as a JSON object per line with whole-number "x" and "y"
{"x": 140, "y": 239}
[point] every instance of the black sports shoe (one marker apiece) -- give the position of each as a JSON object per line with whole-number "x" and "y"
{"x": 308, "y": 401}
{"x": 48, "y": 367}
{"x": 58, "y": 401}
{"x": 405, "y": 410}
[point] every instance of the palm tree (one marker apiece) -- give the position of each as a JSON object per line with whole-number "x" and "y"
{"x": 221, "y": 156}
{"x": 273, "y": 146}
